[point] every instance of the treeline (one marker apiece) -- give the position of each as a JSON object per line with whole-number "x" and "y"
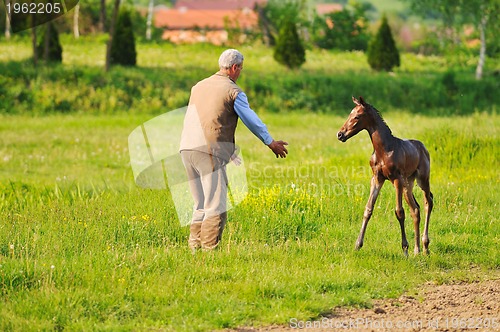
{"x": 460, "y": 29}
{"x": 440, "y": 30}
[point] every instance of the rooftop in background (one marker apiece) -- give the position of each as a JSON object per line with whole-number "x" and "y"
{"x": 218, "y": 4}
{"x": 213, "y": 19}
{"x": 326, "y": 8}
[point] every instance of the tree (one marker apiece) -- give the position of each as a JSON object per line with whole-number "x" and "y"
{"x": 343, "y": 30}
{"x": 275, "y": 14}
{"x": 289, "y": 50}
{"x": 149, "y": 22}
{"x": 76, "y": 15}
{"x": 49, "y": 48}
{"x": 111, "y": 34}
{"x": 453, "y": 13}
{"x": 382, "y": 52}
{"x": 33, "y": 41}
{"x": 7, "y": 21}
{"x": 102, "y": 16}
{"x": 123, "y": 44}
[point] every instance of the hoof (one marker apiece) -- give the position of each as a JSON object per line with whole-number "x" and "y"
{"x": 425, "y": 242}
{"x": 358, "y": 245}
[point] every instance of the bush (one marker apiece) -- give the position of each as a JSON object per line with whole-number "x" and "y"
{"x": 123, "y": 46}
{"x": 289, "y": 50}
{"x": 54, "y": 47}
{"x": 382, "y": 52}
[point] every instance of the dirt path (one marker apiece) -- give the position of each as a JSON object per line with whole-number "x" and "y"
{"x": 457, "y": 307}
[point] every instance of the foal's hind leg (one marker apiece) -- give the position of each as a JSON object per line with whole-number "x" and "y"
{"x": 400, "y": 213}
{"x": 415, "y": 213}
{"x": 429, "y": 203}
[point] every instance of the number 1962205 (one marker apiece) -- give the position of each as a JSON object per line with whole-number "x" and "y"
{"x": 34, "y": 8}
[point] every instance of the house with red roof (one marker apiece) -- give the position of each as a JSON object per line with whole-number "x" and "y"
{"x": 327, "y": 8}
{"x": 211, "y": 21}
{"x": 219, "y": 4}
{"x": 192, "y": 21}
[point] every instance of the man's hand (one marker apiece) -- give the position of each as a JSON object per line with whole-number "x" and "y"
{"x": 278, "y": 148}
{"x": 236, "y": 160}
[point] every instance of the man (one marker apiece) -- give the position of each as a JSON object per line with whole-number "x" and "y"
{"x": 208, "y": 144}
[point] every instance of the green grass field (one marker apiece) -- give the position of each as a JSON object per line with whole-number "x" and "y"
{"x": 83, "y": 248}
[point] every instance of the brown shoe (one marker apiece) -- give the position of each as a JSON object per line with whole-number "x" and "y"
{"x": 211, "y": 231}
{"x": 194, "y": 240}
{"x": 206, "y": 248}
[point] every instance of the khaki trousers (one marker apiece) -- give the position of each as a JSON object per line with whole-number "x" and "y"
{"x": 208, "y": 185}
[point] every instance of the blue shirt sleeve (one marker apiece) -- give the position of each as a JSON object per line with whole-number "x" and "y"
{"x": 250, "y": 118}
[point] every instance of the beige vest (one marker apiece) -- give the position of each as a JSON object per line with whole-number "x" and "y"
{"x": 210, "y": 121}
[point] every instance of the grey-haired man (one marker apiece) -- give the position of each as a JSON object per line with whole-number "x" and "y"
{"x": 208, "y": 144}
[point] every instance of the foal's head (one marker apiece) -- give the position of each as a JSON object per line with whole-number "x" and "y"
{"x": 358, "y": 120}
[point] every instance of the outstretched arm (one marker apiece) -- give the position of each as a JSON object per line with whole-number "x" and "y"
{"x": 251, "y": 119}
{"x": 256, "y": 126}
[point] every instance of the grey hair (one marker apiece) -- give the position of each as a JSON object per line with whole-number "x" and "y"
{"x": 230, "y": 57}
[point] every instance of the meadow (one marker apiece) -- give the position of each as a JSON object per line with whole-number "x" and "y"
{"x": 83, "y": 248}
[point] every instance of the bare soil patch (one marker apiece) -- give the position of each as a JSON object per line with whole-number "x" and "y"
{"x": 456, "y": 307}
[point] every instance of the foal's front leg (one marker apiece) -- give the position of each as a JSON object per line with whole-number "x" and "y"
{"x": 375, "y": 186}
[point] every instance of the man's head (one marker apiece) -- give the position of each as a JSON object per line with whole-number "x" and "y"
{"x": 231, "y": 62}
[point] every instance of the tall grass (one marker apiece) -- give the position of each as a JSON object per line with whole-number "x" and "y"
{"x": 81, "y": 248}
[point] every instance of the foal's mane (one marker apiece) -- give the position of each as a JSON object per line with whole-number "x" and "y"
{"x": 378, "y": 116}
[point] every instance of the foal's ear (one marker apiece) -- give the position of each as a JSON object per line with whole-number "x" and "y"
{"x": 362, "y": 101}
{"x": 355, "y": 101}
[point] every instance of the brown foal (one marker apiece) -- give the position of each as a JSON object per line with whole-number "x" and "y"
{"x": 399, "y": 161}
